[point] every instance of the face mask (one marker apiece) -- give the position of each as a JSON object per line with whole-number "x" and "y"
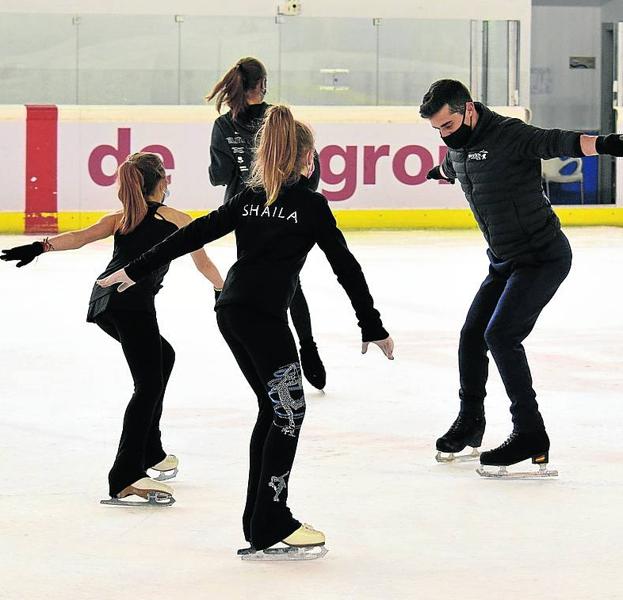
{"x": 311, "y": 167}
{"x": 165, "y": 195}
{"x": 458, "y": 139}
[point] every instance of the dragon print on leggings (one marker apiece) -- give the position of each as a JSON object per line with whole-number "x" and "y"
{"x": 286, "y": 394}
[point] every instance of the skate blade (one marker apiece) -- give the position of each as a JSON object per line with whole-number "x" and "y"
{"x": 166, "y": 475}
{"x": 153, "y": 499}
{"x": 503, "y": 473}
{"x": 442, "y": 457}
{"x": 284, "y": 553}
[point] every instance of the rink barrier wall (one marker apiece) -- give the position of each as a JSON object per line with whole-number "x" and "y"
{"x": 62, "y": 161}
{"x": 388, "y": 219}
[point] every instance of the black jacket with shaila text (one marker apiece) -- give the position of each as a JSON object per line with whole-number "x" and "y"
{"x": 273, "y": 243}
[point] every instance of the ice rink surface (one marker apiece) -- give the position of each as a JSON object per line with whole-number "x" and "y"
{"x": 398, "y": 525}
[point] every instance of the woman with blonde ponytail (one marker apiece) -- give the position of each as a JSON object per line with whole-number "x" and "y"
{"x": 131, "y": 320}
{"x": 277, "y": 221}
{"x": 232, "y": 150}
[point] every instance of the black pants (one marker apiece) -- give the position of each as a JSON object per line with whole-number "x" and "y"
{"x": 500, "y": 318}
{"x": 264, "y": 349}
{"x": 301, "y": 319}
{"x": 150, "y": 358}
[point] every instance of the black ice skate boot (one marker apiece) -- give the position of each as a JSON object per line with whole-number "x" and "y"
{"x": 520, "y": 445}
{"x": 312, "y": 366}
{"x": 467, "y": 430}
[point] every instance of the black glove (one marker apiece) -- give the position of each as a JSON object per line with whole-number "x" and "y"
{"x": 217, "y": 293}
{"x": 610, "y": 144}
{"x": 25, "y": 254}
{"x": 435, "y": 173}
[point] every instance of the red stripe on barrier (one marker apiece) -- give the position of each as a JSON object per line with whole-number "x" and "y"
{"x": 41, "y": 169}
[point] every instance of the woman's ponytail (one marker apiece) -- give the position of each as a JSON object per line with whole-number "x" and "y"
{"x": 137, "y": 178}
{"x": 276, "y": 153}
{"x": 232, "y": 89}
{"x": 131, "y": 184}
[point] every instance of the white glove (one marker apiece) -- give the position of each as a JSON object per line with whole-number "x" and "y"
{"x": 117, "y": 277}
{"x": 386, "y": 345}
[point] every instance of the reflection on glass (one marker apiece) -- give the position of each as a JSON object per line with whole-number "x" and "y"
{"x": 497, "y": 63}
{"x": 138, "y": 59}
{"x": 328, "y": 61}
{"x": 414, "y": 53}
{"x": 128, "y": 59}
{"x": 37, "y": 59}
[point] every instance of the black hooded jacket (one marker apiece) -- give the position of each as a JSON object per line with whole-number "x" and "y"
{"x": 500, "y": 173}
{"x": 232, "y": 150}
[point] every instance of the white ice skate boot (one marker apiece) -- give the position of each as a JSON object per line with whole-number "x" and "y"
{"x": 306, "y": 543}
{"x": 154, "y": 492}
{"x": 167, "y": 468}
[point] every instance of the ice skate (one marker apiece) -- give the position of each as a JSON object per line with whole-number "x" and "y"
{"x": 517, "y": 448}
{"x": 306, "y": 543}
{"x": 466, "y": 430}
{"x": 167, "y": 468}
{"x": 312, "y": 366}
{"x": 153, "y": 492}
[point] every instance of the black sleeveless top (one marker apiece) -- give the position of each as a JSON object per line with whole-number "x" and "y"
{"x": 151, "y": 231}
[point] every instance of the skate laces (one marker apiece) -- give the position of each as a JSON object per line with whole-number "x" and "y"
{"x": 510, "y": 439}
{"x": 457, "y": 425}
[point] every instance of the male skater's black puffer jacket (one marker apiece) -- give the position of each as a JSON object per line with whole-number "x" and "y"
{"x": 232, "y": 149}
{"x": 500, "y": 173}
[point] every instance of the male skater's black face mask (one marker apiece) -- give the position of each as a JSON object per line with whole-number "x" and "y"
{"x": 458, "y": 139}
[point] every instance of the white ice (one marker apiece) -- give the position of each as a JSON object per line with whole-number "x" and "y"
{"x": 398, "y": 524}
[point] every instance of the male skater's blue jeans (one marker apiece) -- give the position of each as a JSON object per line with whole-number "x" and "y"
{"x": 500, "y": 318}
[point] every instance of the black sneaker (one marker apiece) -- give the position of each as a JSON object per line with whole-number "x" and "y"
{"x": 467, "y": 430}
{"x": 312, "y": 366}
{"x": 519, "y": 446}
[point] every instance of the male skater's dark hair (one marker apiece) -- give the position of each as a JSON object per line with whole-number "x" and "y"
{"x": 442, "y": 92}
{"x": 232, "y": 89}
{"x": 283, "y": 146}
{"x": 137, "y": 177}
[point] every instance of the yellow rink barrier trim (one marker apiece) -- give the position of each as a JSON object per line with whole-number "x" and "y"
{"x": 416, "y": 218}
{"x": 12, "y": 222}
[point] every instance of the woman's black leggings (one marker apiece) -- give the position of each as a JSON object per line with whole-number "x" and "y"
{"x": 301, "y": 319}
{"x": 264, "y": 349}
{"x": 150, "y": 358}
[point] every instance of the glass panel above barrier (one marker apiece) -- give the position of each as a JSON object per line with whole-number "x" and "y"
{"x": 210, "y": 46}
{"x": 37, "y": 59}
{"x": 496, "y": 62}
{"x": 176, "y": 59}
{"x": 327, "y": 61}
{"x": 415, "y": 53}
{"x": 128, "y": 59}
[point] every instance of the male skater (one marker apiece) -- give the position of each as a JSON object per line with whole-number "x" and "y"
{"x": 497, "y": 162}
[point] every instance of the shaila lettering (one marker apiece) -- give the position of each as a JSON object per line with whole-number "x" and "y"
{"x": 270, "y": 212}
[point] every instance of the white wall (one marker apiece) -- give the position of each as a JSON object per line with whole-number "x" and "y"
{"x": 449, "y": 9}
{"x": 560, "y": 96}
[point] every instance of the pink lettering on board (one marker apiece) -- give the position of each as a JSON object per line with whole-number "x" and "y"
{"x": 399, "y": 164}
{"x": 120, "y": 152}
{"x": 371, "y": 155}
{"x": 347, "y": 176}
